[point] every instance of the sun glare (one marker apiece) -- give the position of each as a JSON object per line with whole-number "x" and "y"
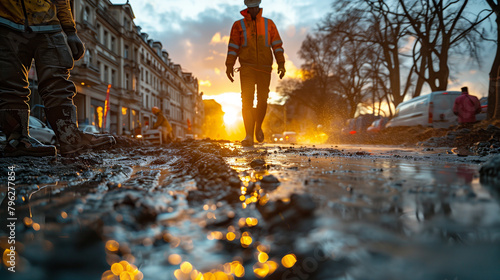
{"x": 231, "y": 116}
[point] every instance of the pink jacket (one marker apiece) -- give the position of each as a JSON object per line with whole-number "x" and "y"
{"x": 466, "y": 107}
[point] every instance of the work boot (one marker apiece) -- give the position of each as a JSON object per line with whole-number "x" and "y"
{"x": 18, "y": 142}
{"x": 71, "y": 140}
{"x": 259, "y": 134}
{"x": 249, "y": 123}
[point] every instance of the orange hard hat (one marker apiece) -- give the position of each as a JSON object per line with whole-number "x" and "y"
{"x": 155, "y": 110}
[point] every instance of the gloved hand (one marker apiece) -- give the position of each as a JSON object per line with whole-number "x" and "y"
{"x": 76, "y": 45}
{"x": 281, "y": 70}
{"x": 230, "y": 73}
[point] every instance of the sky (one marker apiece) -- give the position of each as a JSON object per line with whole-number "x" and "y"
{"x": 195, "y": 34}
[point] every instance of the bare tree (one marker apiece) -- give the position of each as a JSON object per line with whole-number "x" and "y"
{"x": 494, "y": 88}
{"x": 439, "y": 27}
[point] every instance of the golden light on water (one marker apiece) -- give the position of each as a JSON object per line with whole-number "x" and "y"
{"x": 174, "y": 259}
{"x": 230, "y": 236}
{"x": 246, "y": 239}
{"x": 28, "y": 221}
{"x": 186, "y": 267}
{"x": 251, "y": 222}
{"x": 112, "y": 245}
{"x": 123, "y": 270}
{"x": 289, "y": 260}
{"x": 36, "y": 226}
{"x": 117, "y": 269}
{"x": 263, "y": 257}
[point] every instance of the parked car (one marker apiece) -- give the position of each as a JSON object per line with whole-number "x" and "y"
{"x": 434, "y": 109}
{"x": 377, "y": 125}
{"x": 277, "y": 138}
{"x": 41, "y": 131}
{"x": 359, "y": 124}
{"x": 349, "y": 127}
{"x": 88, "y": 128}
{"x": 484, "y": 109}
{"x": 290, "y": 137}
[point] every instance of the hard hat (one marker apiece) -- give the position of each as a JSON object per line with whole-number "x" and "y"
{"x": 252, "y": 3}
{"x": 155, "y": 110}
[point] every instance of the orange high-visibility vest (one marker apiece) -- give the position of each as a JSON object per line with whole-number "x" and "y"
{"x": 254, "y": 42}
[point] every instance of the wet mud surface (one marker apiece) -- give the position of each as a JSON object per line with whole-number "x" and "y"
{"x": 209, "y": 210}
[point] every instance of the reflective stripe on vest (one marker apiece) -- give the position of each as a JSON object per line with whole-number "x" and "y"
{"x": 234, "y": 46}
{"x": 267, "y": 32}
{"x": 277, "y": 42}
{"x": 242, "y": 22}
{"x": 34, "y": 28}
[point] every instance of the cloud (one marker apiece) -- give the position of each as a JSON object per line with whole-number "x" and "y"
{"x": 196, "y": 32}
{"x": 217, "y": 39}
{"x": 205, "y": 83}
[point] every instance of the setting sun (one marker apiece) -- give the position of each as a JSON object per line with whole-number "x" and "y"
{"x": 231, "y": 116}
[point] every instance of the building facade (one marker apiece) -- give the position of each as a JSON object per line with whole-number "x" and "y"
{"x": 134, "y": 70}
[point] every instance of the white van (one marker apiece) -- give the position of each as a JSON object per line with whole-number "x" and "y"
{"x": 434, "y": 109}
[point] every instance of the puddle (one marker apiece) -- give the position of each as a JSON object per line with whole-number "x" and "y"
{"x": 301, "y": 213}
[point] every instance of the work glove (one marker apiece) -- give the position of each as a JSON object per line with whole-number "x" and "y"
{"x": 230, "y": 73}
{"x": 76, "y": 45}
{"x": 281, "y": 70}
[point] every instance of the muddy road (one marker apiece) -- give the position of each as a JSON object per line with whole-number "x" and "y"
{"x": 210, "y": 210}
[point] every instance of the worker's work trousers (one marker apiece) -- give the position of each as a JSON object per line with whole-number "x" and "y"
{"x": 53, "y": 62}
{"x": 250, "y": 78}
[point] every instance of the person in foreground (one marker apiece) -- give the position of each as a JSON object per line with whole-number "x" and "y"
{"x": 44, "y": 31}
{"x": 253, "y": 40}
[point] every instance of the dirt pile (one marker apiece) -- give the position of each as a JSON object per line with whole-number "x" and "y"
{"x": 480, "y": 139}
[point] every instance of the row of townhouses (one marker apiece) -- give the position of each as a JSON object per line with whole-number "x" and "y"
{"x": 137, "y": 71}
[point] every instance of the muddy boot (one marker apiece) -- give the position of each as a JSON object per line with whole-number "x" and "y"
{"x": 18, "y": 142}
{"x": 71, "y": 140}
{"x": 259, "y": 134}
{"x": 249, "y": 122}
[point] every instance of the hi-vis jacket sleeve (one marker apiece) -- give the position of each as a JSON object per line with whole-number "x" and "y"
{"x": 277, "y": 44}
{"x": 234, "y": 45}
{"x": 65, "y": 16}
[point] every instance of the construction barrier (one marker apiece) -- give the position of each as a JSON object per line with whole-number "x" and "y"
{"x": 153, "y": 135}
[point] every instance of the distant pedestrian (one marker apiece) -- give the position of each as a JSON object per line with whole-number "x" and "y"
{"x": 163, "y": 125}
{"x": 466, "y": 107}
{"x": 254, "y": 39}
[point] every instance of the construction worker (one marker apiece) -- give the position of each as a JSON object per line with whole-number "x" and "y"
{"x": 466, "y": 107}
{"x": 163, "y": 125}
{"x": 44, "y": 31}
{"x": 253, "y": 40}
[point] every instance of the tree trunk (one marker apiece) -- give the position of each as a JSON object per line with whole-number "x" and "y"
{"x": 494, "y": 90}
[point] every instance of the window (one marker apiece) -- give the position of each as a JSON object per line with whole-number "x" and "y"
{"x": 88, "y": 57}
{"x": 86, "y": 13}
{"x": 125, "y": 52}
{"x": 113, "y": 78}
{"x": 113, "y": 44}
{"x": 105, "y": 39}
{"x": 127, "y": 81}
{"x": 106, "y": 75}
{"x": 99, "y": 33}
